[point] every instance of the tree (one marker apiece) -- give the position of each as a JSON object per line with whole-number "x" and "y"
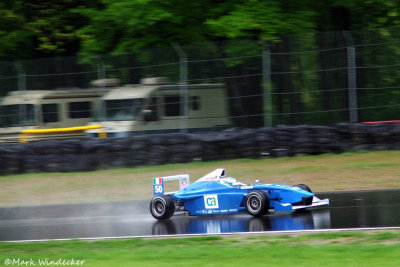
{"x": 130, "y": 25}
{"x": 267, "y": 20}
{"x": 263, "y": 20}
{"x": 15, "y": 38}
{"x": 39, "y": 28}
{"x": 53, "y": 25}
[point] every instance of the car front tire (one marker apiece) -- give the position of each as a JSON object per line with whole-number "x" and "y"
{"x": 257, "y": 203}
{"x": 304, "y": 187}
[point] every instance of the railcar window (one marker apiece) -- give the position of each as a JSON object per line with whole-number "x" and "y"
{"x": 79, "y": 110}
{"x": 195, "y": 102}
{"x": 17, "y": 115}
{"x": 123, "y": 109}
{"x": 50, "y": 112}
{"x": 172, "y": 105}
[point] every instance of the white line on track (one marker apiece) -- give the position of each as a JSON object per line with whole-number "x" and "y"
{"x": 219, "y": 234}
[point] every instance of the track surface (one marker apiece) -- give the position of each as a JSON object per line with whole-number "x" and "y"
{"x": 131, "y": 218}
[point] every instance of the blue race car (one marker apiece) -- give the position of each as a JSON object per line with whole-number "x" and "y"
{"x": 215, "y": 193}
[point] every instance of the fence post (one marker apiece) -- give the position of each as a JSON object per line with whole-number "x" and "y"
{"x": 101, "y": 74}
{"x": 21, "y": 87}
{"x": 101, "y": 71}
{"x": 182, "y": 87}
{"x": 21, "y": 76}
{"x": 351, "y": 78}
{"x": 267, "y": 100}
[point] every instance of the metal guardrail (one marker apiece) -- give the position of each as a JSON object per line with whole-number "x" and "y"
{"x": 58, "y": 133}
{"x": 32, "y": 135}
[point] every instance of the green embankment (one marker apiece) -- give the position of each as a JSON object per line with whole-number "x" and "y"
{"x": 327, "y": 172}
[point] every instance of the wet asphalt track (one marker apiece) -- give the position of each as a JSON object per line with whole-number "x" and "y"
{"x": 362, "y": 209}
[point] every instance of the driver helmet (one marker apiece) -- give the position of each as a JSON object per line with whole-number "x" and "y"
{"x": 228, "y": 181}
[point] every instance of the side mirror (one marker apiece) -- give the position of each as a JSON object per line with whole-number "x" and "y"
{"x": 149, "y": 115}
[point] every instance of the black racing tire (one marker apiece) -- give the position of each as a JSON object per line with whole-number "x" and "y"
{"x": 162, "y": 207}
{"x": 257, "y": 203}
{"x": 304, "y": 187}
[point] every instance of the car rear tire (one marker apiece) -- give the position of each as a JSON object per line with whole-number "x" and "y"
{"x": 257, "y": 203}
{"x": 304, "y": 187}
{"x": 162, "y": 207}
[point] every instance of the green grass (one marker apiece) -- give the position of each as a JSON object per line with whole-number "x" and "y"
{"x": 380, "y": 248}
{"x": 372, "y": 165}
{"x": 328, "y": 172}
{"x": 270, "y": 162}
{"x": 267, "y": 162}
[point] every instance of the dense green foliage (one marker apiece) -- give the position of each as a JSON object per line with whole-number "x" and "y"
{"x": 313, "y": 89}
{"x": 35, "y": 28}
{"x": 327, "y": 249}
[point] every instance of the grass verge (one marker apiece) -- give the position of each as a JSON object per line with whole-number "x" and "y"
{"x": 327, "y": 172}
{"x": 377, "y": 248}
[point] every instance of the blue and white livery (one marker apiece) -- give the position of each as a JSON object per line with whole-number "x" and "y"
{"x": 215, "y": 193}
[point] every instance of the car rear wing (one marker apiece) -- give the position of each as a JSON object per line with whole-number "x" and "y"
{"x": 158, "y": 183}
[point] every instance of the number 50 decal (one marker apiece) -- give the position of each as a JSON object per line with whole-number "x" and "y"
{"x": 158, "y": 186}
{"x": 158, "y": 189}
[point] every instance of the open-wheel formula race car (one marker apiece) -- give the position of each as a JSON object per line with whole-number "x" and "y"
{"x": 215, "y": 193}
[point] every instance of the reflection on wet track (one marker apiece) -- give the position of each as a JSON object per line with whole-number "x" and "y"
{"x": 132, "y": 218}
{"x": 305, "y": 220}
